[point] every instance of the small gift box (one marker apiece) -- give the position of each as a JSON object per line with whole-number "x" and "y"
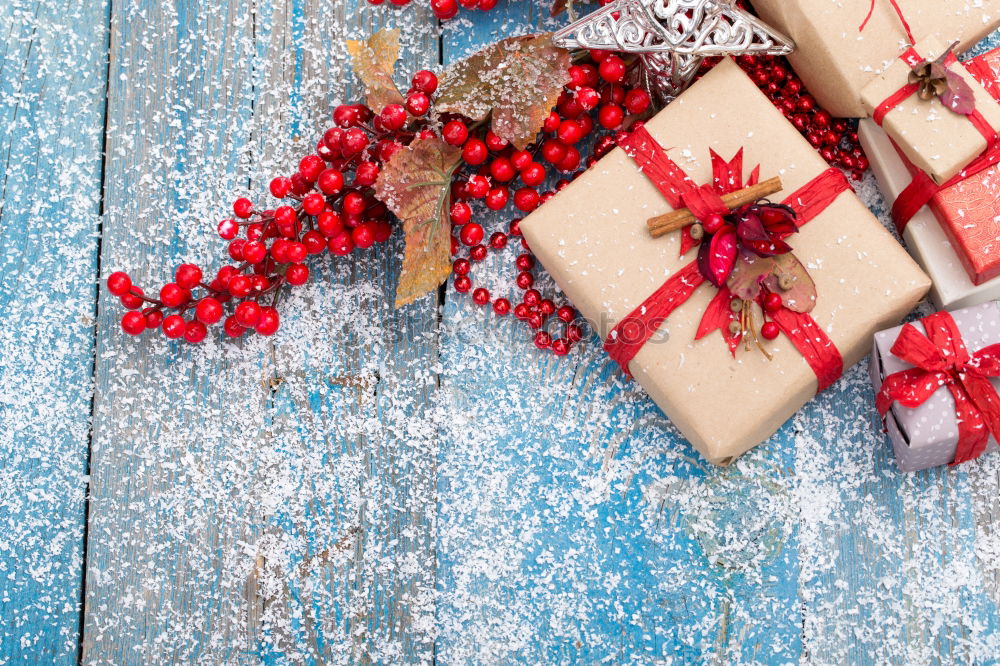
{"x": 956, "y": 238}
{"x": 842, "y": 45}
{"x": 682, "y": 325}
{"x": 936, "y": 382}
{"x": 938, "y": 115}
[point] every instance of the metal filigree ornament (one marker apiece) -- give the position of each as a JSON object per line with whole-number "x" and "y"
{"x": 673, "y": 37}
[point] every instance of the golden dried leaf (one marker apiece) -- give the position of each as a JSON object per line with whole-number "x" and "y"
{"x": 518, "y": 79}
{"x": 753, "y": 272}
{"x": 415, "y": 184}
{"x": 373, "y": 61}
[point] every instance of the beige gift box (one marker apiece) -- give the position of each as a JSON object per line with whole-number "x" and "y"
{"x": 934, "y": 138}
{"x": 836, "y": 59}
{"x": 593, "y": 239}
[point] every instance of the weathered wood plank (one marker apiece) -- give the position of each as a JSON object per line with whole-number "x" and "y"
{"x": 576, "y": 525}
{"x": 244, "y": 508}
{"x": 355, "y": 540}
{"x": 52, "y": 85}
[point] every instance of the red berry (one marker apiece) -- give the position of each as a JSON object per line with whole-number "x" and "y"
{"x": 769, "y": 330}
{"x": 280, "y": 187}
{"x": 481, "y": 296}
{"x": 611, "y": 116}
{"x": 353, "y": 141}
{"x": 532, "y": 297}
{"x": 341, "y": 244}
{"x": 526, "y": 199}
{"x": 502, "y": 170}
{"x": 133, "y": 323}
{"x": 560, "y": 347}
{"x": 310, "y": 167}
{"x": 313, "y": 203}
{"x": 462, "y": 284}
{"x": 497, "y": 197}
{"x": 132, "y": 300}
{"x": 574, "y": 333}
{"x": 498, "y": 240}
{"x": 478, "y": 186}
{"x": 501, "y": 306}
{"x": 713, "y": 223}
{"x": 195, "y": 332}
{"x": 525, "y": 262}
{"x": 366, "y": 174}
{"x": 471, "y": 234}
{"x": 425, "y": 81}
{"x": 242, "y": 208}
{"x": 588, "y": 98}
{"x": 330, "y": 181}
{"x": 153, "y": 318}
{"x": 553, "y": 151}
{"x": 295, "y": 251}
{"x": 461, "y": 213}
{"x": 354, "y": 203}
{"x": 494, "y": 142}
{"x": 119, "y": 283}
{"x": 566, "y": 314}
{"x": 444, "y": 9}
{"x": 208, "y": 310}
{"x": 478, "y": 252}
{"x": 533, "y": 174}
{"x": 268, "y": 322}
{"x": 232, "y": 327}
{"x": 637, "y": 101}
{"x": 363, "y": 236}
{"x": 393, "y": 117}
{"x": 474, "y": 152}
{"x": 461, "y": 267}
{"x": 417, "y": 103}
{"x": 173, "y": 295}
{"x": 239, "y": 286}
{"x": 521, "y": 311}
{"x": 612, "y": 69}
{"x": 314, "y": 242}
{"x": 247, "y": 313}
{"x": 571, "y": 161}
{"x": 772, "y": 302}
{"x": 552, "y": 122}
{"x": 298, "y": 274}
{"x": 173, "y": 326}
{"x": 455, "y": 132}
{"x": 329, "y": 223}
{"x": 542, "y": 340}
{"x": 524, "y": 280}
{"x": 228, "y": 229}
{"x": 570, "y": 131}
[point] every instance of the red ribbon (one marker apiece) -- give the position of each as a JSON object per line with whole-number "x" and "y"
{"x": 636, "y": 329}
{"x": 941, "y": 359}
{"x": 922, "y": 188}
{"x": 899, "y": 13}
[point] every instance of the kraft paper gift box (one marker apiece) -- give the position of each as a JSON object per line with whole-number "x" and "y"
{"x": 934, "y": 138}
{"x": 943, "y": 255}
{"x": 836, "y": 58}
{"x": 593, "y": 239}
{"x": 927, "y": 436}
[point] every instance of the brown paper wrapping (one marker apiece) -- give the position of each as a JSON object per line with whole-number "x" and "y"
{"x": 592, "y": 237}
{"x": 836, "y": 60}
{"x": 935, "y": 139}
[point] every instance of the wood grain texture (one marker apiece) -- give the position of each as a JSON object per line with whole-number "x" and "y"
{"x": 245, "y": 504}
{"x": 575, "y": 523}
{"x": 52, "y": 84}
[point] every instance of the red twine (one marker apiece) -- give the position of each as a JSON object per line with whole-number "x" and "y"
{"x": 899, "y": 13}
{"x": 941, "y": 359}
{"x": 636, "y": 329}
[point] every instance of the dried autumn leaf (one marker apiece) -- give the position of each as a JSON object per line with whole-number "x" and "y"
{"x": 373, "y": 61}
{"x": 753, "y": 272}
{"x": 959, "y": 96}
{"x": 518, "y": 80}
{"x": 415, "y": 185}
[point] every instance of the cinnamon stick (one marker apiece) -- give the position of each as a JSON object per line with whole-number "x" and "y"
{"x": 682, "y": 217}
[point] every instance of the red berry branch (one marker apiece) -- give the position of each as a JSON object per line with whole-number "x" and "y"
{"x": 433, "y": 156}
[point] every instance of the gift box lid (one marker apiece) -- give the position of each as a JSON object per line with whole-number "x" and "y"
{"x": 593, "y": 239}
{"x": 936, "y": 139}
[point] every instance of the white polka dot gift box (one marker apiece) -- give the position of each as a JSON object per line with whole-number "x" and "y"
{"x": 936, "y": 384}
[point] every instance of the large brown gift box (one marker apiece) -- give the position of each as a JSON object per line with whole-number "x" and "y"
{"x": 934, "y": 138}
{"x": 593, "y": 239}
{"x": 836, "y": 58}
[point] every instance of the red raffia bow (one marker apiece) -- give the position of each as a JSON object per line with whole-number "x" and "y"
{"x": 636, "y": 329}
{"x": 941, "y": 359}
{"x": 899, "y": 13}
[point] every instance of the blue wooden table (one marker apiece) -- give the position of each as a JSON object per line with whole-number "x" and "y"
{"x": 384, "y": 486}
